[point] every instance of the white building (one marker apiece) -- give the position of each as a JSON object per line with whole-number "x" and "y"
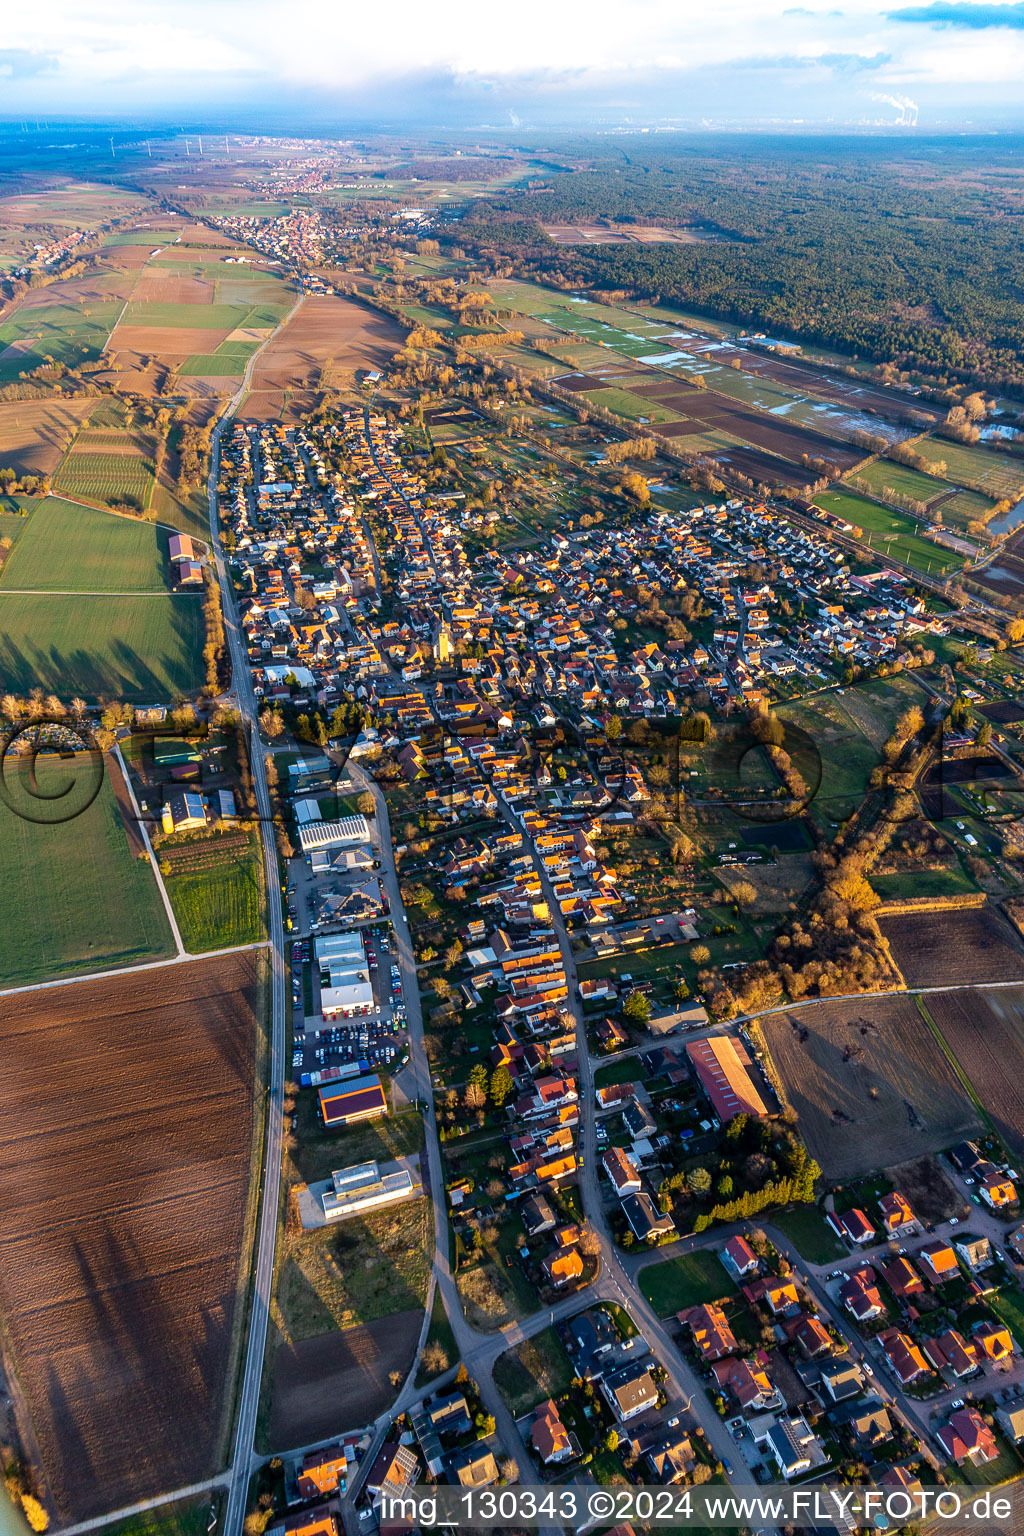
{"x": 345, "y": 987}
{"x": 345, "y": 833}
{"x": 362, "y": 1187}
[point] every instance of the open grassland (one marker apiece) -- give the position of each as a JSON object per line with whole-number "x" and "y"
{"x": 890, "y": 533}
{"x": 144, "y": 649}
{"x": 217, "y": 895}
{"x": 935, "y": 949}
{"x": 69, "y": 548}
{"x": 75, "y": 897}
{"x": 985, "y": 1032}
{"x": 34, "y": 434}
{"x": 884, "y": 475}
{"x": 126, "y": 1141}
{"x": 533, "y": 1371}
{"x": 868, "y": 1082}
{"x": 965, "y": 507}
{"x": 979, "y": 469}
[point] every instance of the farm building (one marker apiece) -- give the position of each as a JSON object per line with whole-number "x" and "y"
{"x": 184, "y": 812}
{"x": 175, "y": 752}
{"x": 345, "y": 987}
{"x": 363, "y": 1187}
{"x": 722, "y": 1066}
{"x": 347, "y": 1103}
{"x": 345, "y": 833}
{"x": 184, "y": 557}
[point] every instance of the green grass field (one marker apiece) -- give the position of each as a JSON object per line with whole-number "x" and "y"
{"x": 633, "y": 407}
{"x": 980, "y": 469}
{"x": 68, "y": 548}
{"x": 953, "y": 881}
{"x": 68, "y": 333}
{"x": 213, "y": 365}
{"x": 141, "y": 649}
{"x": 106, "y": 477}
{"x": 965, "y": 507}
{"x": 689, "y": 1281}
{"x": 221, "y": 905}
{"x": 883, "y": 473}
{"x": 153, "y": 237}
{"x": 73, "y": 898}
{"x": 890, "y": 532}
{"x": 204, "y": 317}
{"x": 810, "y": 1234}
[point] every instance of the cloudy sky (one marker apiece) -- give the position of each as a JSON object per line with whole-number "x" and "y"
{"x": 947, "y": 63}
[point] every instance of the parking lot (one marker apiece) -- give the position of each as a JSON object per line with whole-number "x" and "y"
{"x": 378, "y": 1038}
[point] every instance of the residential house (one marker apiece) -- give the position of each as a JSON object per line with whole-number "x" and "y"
{"x": 536, "y": 1215}
{"x": 629, "y": 1391}
{"x": 997, "y": 1191}
{"x": 867, "y": 1421}
{"x": 739, "y": 1258}
{"x": 841, "y": 1379}
{"x": 322, "y": 1472}
{"x": 793, "y": 1446}
{"x": 967, "y": 1437}
{"x": 549, "y": 1436}
{"x": 645, "y": 1222}
{"x": 994, "y": 1341}
{"x": 473, "y": 1466}
{"x": 975, "y": 1252}
{"x": 861, "y": 1296}
{"x": 669, "y": 1456}
{"x": 709, "y": 1329}
{"x": 319, "y": 1521}
{"x": 853, "y": 1226}
{"x": 747, "y": 1382}
{"x": 395, "y": 1468}
{"x": 622, "y": 1172}
{"x": 950, "y": 1351}
{"x": 898, "y": 1220}
{"x": 904, "y": 1356}
{"x": 562, "y": 1266}
{"x": 937, "y": 1262}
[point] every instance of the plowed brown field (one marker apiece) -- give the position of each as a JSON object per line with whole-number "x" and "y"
{"x": 329, "y": 332}
{"x": 985, "y": 1032}
{"x": 869, "y": 1082}
{"x": 125, "y": 1156}
{"x": 938, "y": 949}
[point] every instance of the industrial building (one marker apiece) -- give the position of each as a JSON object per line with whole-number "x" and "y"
{"x": 333, "y": 834}
{"x": 347, "y": 1103}
{"x": 346, "y": 991}
{"x": 363, "y": 1187}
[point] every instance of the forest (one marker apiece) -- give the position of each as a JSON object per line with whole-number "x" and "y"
{"x": 907, "y": 252}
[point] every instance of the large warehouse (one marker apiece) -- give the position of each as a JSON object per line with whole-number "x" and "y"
{"x": 346, "y": 991}
{"x": 346, "y": 1103}
{"x": 345, "y": 833}
{"x": 722, "y": 1068}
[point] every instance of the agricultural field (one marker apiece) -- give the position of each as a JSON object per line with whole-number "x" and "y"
{"x": 75, "y": 896}
{"x": 338, "y": 1381}
{"x": 979, "y": 469}
{"x": 68, "y": 333}
{"x": 985, "y": 1032}
{"x": 884, "y": 475}
{"x": 107, "y": 478}
{"x": 126, "y": 1213}
{"x": 891, "y": 533}
{"x": 215, "y": 887}
{"x": 935, "y": 949}
{"x": 69, "y": 548}
{"x": 144, "y": 649}
{"x": 868, "y": 1083}
{"x": 329, "y": 338}
{"x": 34, "y": 434}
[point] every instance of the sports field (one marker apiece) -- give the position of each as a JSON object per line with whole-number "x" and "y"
{"x": 140, "y": 649}
{"x": 890, "y": 532}
{"x": 74, "y": 897}
{"x": 70, "y": 548}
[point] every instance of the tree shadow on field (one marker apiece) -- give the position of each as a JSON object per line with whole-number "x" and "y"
{"x": 229, "y": 1024}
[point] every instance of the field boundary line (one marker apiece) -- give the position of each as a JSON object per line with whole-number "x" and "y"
{"x": 185, "y": 958}
{"x": 100, "y": 1521}
{"x": 154, "y": 863}
{"x": 61, "y": 592}
{"x": 954, "y": 1062}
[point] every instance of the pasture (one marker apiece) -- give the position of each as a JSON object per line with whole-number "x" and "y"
{"x": 69, "y": 548}
{"x": 75, "y": 896}
{"x": 140, "y": 649}
{"x": 885, "y": 475}
{"x": 868, "y": 1083}
{"x": 978, "y": 468}
{"x": 123, "y": 1276}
